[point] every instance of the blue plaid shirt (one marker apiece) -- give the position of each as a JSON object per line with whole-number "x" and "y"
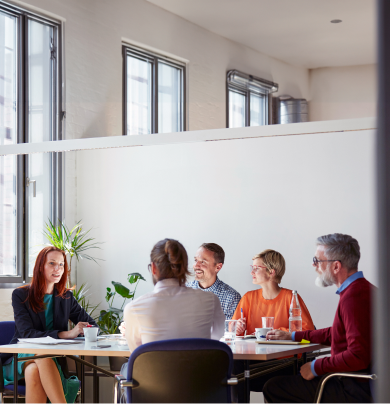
{"x": 228, "y": 297}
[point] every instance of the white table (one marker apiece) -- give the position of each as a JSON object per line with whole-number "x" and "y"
{"x": 242, "y": 350}
{"x": 81, "y": 349}
{"x": 248, "y": 349}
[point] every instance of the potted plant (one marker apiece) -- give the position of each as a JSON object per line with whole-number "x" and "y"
{"x": 109, "y": 320}
{"x": 73, "y": 241}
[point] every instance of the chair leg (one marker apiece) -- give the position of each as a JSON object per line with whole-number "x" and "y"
{"x": 116, "y": 392}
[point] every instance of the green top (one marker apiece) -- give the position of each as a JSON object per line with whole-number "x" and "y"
{"x": 48, "y": 302}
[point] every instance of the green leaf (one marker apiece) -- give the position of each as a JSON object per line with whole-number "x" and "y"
{"x": 109, "y": 296}
{"x": 114, "y": 310}
{"x": 73, "y": 241}
{"x": 109, "y": 322}
{"x": 134, "y": 277}
{"x": 108, "y": 289}
{"x": 122, "y": 290}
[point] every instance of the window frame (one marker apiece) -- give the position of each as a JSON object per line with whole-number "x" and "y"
{"x": 154, "y": 58}
{"x": 246, "y": 87}
{"x": 22, "y": 135}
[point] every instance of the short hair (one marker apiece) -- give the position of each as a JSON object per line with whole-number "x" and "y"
{"x": 171, "y": 259}
{"x": 273, "y": 260}
{"x": 219, "y": 254}
{"x": 341, "y": 247}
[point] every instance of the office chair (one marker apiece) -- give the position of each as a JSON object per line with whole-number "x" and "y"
{"x": 7, "y": 331}
{"x": 192, "y": 370}
{"x": 325, "y": 378}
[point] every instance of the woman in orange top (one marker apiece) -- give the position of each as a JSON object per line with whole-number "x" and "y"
{"x": 271, "y": 300}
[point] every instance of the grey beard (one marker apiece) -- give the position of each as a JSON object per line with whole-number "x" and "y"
{"x": 324, "y": 280}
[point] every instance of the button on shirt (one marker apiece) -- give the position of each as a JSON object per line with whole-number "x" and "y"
{"x": 228, "y": 297}
{"x": 172, "y": 311}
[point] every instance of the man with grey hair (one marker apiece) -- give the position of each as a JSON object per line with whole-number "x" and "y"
{"x": 336, "y": 263}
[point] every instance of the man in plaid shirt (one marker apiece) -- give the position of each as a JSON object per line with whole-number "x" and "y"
{"x": 208, "y": 262}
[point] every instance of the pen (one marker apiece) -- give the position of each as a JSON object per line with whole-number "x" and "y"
{"x": 242, "y": 316}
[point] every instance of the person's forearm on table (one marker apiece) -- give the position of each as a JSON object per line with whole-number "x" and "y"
{"x": 64, "y": 335}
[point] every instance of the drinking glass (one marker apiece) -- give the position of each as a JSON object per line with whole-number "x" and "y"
{"x": 230, "y": 330}
{"x": 268, "y": 322}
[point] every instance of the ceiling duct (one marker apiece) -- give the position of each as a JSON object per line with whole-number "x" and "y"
{"x": 252, "y": 83}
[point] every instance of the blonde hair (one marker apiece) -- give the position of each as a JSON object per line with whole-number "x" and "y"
{"x": 273, "y": 260}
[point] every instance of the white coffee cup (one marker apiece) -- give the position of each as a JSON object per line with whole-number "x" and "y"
{"x": 90, "y": 334}
{"x": 261, "y": 333}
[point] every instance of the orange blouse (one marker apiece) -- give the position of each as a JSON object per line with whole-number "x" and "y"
{"x": 254, "y": 307}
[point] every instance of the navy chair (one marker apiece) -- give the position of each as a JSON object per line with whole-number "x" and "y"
{"x": 193, "y": 370}
{"x": 7, "y": 331}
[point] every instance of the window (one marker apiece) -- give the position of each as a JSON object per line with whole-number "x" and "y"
{"x": 30, "y": 94}
{"x": 248, "y": 101}
{"x": 154, "y": 95}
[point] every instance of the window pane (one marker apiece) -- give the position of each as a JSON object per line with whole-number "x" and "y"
{"x": 40, "y": 118}
{"x": 257, "y": 110}
{"x": 40, "y": 82}
{"x": 8, "y": 135}
{"x": 169, "y": 98}
{"x": 139, "y": 92}
{"x": 8, "y": 215}
{"x": 236, "y": 109}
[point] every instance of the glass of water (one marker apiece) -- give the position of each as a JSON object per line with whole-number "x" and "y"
{"x": 268, "y": 322}
{"x": 230, "y": 330}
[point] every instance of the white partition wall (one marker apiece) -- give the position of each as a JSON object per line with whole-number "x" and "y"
{"x": 247, "y": 195}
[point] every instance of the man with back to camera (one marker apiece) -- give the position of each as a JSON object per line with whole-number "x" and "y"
{"x": 208, "y": 262}
{"x": 336, "y": 262}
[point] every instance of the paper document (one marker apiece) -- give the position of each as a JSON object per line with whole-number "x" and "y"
{"x": 48, "y": 341}
{"x": 281, "y": 342}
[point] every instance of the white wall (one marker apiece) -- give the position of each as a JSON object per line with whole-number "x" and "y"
{"x": 93, "y": 36}
{"x": 246, "y": 195}
{"x": 6, "y": 311}
{"x": 343, "y": 92}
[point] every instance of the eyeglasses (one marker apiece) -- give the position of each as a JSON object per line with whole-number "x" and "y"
{"x": 316, "y": 261}
{"x": 255, "y": 268}
{"x": 149, "y": 267}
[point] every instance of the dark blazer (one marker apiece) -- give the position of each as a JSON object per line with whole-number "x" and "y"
{"x": 29, "y": 324}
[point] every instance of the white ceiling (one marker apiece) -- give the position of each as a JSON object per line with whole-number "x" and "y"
{"x": 298, "y": 32}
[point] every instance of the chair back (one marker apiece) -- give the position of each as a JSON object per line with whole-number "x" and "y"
{"x": 7, "y": 331}
{"x": 180, "y": 371}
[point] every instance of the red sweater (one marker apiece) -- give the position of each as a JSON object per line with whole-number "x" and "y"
{"x": 350, "y": 335}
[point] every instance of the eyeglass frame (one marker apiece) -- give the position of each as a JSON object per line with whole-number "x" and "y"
{"x": 316, "y": 261}
{"x": 257, "y": 267}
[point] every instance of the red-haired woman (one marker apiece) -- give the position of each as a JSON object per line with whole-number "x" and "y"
{"x": 43, "y": 309}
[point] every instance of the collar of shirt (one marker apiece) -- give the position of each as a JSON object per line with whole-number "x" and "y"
{"x": 214, "y": 287}
{"x": 348, "y": 281}
{"x": 166, "y": 283}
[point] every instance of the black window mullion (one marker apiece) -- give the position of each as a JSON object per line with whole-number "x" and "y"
{"x": 155, "y": 96}
{"x": 247, "y": 106}
{"x": 124, "y": 94}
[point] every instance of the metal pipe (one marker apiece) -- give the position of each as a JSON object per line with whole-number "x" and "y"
{"x": 326, "y": 378}
{"x": 91, "y": 365}
{"x": 15, "y": 377}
